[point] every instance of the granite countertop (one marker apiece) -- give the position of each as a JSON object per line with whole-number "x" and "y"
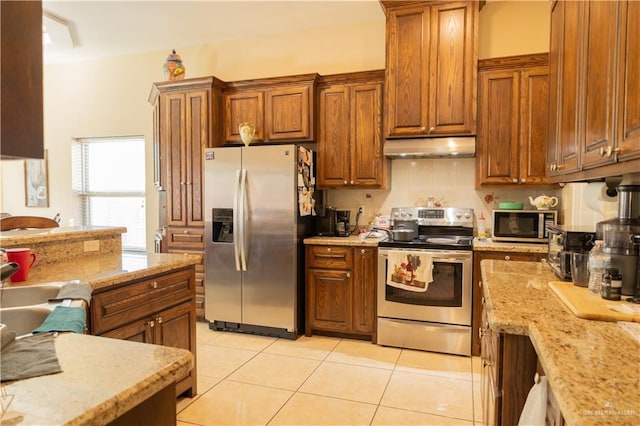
{"x": 592, "y": 366}
{"x": 351, "y": 240}
{"x": 83, "y": 394}
{"x": 67, "y": 233}
{"x": 108, "y": 269}
{"x": 487, "y": 244}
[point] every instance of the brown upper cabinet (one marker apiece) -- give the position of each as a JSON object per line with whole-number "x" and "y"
{"x": 350, "y": 131}
{"x": 594, "y": 109}
{"x": 21, "y": 84}
{"x": 513, "y": 121}
{"x": 281, "y": 108}
{"x": 431, "y": 72}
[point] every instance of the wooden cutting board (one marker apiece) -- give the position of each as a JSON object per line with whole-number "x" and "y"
{"x": 587, "y": 306}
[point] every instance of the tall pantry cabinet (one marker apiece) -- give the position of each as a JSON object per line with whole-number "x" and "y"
{"x": 184, "y": 126}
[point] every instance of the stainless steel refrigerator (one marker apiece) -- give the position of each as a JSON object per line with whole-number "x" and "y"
{"x": 259, "y": 206}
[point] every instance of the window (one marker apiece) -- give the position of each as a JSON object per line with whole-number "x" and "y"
{"x": 109, "y": 184}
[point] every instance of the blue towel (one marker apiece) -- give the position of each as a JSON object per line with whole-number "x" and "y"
{"x": 64, "y": 318}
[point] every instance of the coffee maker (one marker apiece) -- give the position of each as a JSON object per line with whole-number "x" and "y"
{"x": 326, "y": 221}
{"x": 621, "y": 236}
{"x": 343, "y": 228}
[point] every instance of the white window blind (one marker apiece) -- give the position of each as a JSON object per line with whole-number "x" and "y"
{"x": 109, "y": 186}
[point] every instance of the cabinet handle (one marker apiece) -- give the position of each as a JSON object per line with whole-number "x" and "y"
{"x": 481, "y": 332}
{"x": 154, "y": 284}
{"x": 507, "y": 257}
{"x": 348, "y": 274}
{"x": 523, "y": 180}
{"x": 185, "y": 231}
{"x": 151, "y": 324}
{"x": 479, "y": 283}
{"x": 159, "y": 320}
{"x": 514, "y": 180}
{"x": 432, "y": 129}
{"x": 423, "y": 129}
{"x": 362, "y": 251}
{"x": 482, "y": 300}
{"x": 486, "y": 363}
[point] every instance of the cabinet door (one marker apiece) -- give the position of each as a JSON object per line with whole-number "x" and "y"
{"x": 600, "y": 42}
{"x": 329, "y": 299}
{"x": 197, "y": 138}
{"x": 364, "y": 290}
{"x": 453, "y": 69}
{"x": 367, "y": 161}
{"x": 564, "y": 62}
{"x": 498, "y": 139}
{"x": 173, "y": 127}
{"x": 138, "y": 331}
{"x": 175, "y": 327}
{"x": 628, "y": 82}
{"x": 534, "y": 121}
{"x": 243, "y": 106}
{"x": 287, "y": 114}
{"x": 407, "y": 72}
{"x": 333, "y": 137}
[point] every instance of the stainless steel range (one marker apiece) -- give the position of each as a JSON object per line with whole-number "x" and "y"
{"x": 424, "y": 284}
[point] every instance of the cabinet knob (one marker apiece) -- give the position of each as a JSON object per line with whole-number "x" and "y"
{"x": 348, "y": 274}
{"x": 151, "y": 324}
{"x": 351, "y": 182}
{"x": 329, "y": 249}
{"x": 154, "y": 284}
{"x": 423, "y": 129}
{"x": 432, "y": 129}
{"x": 345, "y": 182}
{"x": 159, "y": 320}
{"x": 514, "y": 180}
{"x": 479, "y": 283}
{"x": 362, "y": 251}
{"x": 185, "y": 231}
{"x": 523, "y": 180}
{"x": 486, "y": 363}
{"x": 507, "y": 257}
{"x": 481, "y": 332}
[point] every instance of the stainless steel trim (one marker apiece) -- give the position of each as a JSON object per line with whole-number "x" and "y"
{"x": 243, "y": 219}
{"x": 427, "y": 336}
{"x": 236, "y": 227}
{"x": 457, "y": 147}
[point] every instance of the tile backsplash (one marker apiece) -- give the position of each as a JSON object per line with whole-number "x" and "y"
{"x": 450, "y": 181}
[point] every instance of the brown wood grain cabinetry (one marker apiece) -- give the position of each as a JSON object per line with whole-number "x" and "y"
{"x": 186, "y": 114}
{"x": 281, "y": 108}
{"x": 158, "y": 310}
{"x": 21, "y": 80}
{"x": 479, "y": 256}
{"x": 513, "y": 121}
{"x": 509, "y": 365}
{"x": 594, "y": 118}
{"x": 431, "y": 68}
{"x": 350, "y": 131}
{"x": 340, "y": 288}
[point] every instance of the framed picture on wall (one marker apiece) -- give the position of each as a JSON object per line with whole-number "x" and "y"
{"x": 36, "y": 181}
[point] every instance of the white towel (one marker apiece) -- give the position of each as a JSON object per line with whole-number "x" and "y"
{"x": 409, "y": 270}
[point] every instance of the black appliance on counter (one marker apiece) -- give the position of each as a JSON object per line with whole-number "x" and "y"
{"x": 326, "y": 222}
{"x": 563, "y": 240}
{"x": 343, "y": 227}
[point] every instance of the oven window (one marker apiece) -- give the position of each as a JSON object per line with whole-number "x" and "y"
{"x": 516, "y": 225}
{"x": 444, "y": 290}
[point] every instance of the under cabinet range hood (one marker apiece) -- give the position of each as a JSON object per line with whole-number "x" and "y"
{"x": 444, "y": 147}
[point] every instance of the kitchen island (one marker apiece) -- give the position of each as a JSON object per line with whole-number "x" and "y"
{"x": 102, "y": 380}
{"x": 593, "y": 367}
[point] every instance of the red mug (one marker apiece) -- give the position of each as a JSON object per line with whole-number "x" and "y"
{"x": 25, "y": 259}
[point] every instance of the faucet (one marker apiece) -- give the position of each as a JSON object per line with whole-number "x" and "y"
{"x": 6, "y": 270}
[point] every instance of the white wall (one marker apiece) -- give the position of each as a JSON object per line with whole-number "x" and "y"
{"x": 109, "y": 98}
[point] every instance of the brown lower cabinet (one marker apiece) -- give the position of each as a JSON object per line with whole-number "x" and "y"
{"x": 159, "y": 309}
{"x": 509, "y": 364}
{"x": 341, "y": 290}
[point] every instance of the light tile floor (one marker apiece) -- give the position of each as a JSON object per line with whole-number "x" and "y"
{"x": 255, "y": 380}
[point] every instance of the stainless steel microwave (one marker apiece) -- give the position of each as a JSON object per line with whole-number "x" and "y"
{"x": 522, "y": 225}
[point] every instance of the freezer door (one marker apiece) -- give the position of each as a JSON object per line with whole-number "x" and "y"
{"x": 269, "y": 288}
{"x": 223, "y": 278}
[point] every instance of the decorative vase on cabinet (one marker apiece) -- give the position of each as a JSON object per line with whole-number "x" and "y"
{"x": 247, "y": 131}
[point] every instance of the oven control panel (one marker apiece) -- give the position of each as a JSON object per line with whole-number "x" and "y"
{"x": 435, "y": 216}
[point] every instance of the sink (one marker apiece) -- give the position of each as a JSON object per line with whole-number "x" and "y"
{"x": 29, "y": 295}
{"x": 24, "y": 319}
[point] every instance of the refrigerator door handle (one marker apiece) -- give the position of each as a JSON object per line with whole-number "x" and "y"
{"x": 242, "y": 207}
{"x": 236, "y": 224}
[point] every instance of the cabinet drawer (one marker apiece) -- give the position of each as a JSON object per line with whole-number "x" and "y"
{"x": 120, "y": 306}
{"x": 185, "y": 237}
{"x": 332, "y": 257}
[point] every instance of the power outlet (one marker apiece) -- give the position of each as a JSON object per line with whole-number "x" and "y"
{"x": 361, "y": 210}
{"x": 92, "y": 245}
